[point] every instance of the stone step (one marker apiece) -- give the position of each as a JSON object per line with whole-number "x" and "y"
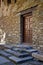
{"x": 24, "y": 46}
{"x": 20, "y": 60}
{"x": 19, "y": 50}
{"x": 28, "y": 49}
{"x": 5, "y": 53}
{"x": 8, "y": 46}
{"x": 4, "y": 61}
{"x": 31, "y": 50}
{"x": 18, "y": 54}
{"x": 38, "y": 56}
{"x": 16, "y": 49}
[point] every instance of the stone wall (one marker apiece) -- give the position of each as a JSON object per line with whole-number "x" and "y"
{"x": 10, "y": 20}
{"x": 11, "y": 25}
{"x": 38, "y": 25}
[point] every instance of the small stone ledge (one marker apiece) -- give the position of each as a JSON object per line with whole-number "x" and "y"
{"x": 38, "y": 56}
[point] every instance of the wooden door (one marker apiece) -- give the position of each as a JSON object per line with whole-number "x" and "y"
{"x": 27, "y": 28}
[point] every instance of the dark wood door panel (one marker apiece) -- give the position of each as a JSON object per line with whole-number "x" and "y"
{"x": 28, "y": 29}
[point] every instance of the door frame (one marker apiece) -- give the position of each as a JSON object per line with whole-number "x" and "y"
{"x": 22, "y": 13}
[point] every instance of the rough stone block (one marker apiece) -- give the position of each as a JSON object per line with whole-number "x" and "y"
{"x": 31, "y": 50}
{"x": 8, "y": 46}
{"x": 4, "y": 61}
{"x": 21, "y": 50}
{"x": 17, "y": 54}
{"x": 38, "y": 56}
{"x": 20, "y": 60}
{"x": 23, "y": 46}
{"x": 5, "y": 54}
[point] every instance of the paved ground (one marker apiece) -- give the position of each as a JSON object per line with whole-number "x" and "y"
{"x": 31, "y": 62}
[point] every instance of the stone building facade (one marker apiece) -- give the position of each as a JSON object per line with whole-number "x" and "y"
{"x": 10, "y": 21}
